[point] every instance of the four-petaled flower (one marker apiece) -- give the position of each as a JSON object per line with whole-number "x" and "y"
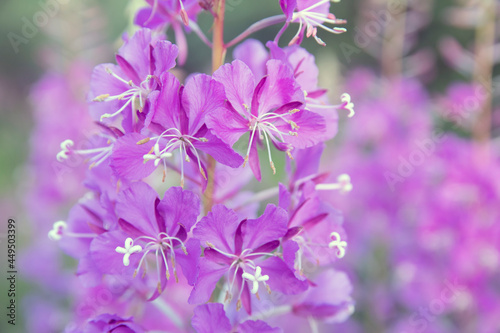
{"x": 270, "y": 111}
{"x": 150, "y": 225}
{"x": 243, "y": 251}
{"x": 131, "y": 87}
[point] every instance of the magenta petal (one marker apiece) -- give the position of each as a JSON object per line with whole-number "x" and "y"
{"x": 136, "y": 52}
{"x": 253, "y": 53}
{"x": 189, "y": 262}
{"x": 208, "y": 276}
{"x": 219, "y": 150}
{"x": 281, "y": 278}
{"x": 268, "y": 247}
{"x": 106, "y": 259}
{"x": 311, "y": 129}
{"x": 246, "y": 298}
{"x": 290, "y": 248}
{"x": 301, "y": 62}
{"x": 260, "y": 326}
{"x": 323, "y": 8}
{"x": 253, "y": 160}
{"x": 88, "y": 272}
{"x": 292, "y": 232}
{"x": 227, "y": 124}
{"x": 284, "y": 197}
{"x": 330, "y": 299}
{"x": 280, "y": 87}
{"x": 287, "y": 6}
{"x": 164, "y": 55}
{"x": 179, "y": 208}
{"x": 216, "y": 257}
{"x": 270, "y": 226}
{"x": 127, "y": 159}
{"x": 103, "y": 83}
{"x": 239, "y": 84}
{"x": 307, "y": 161}
{"x": 144, "y": 19}
{"x": 201, "y": 96}
{"x": 331, "y": 118}
{"x": 128, "y": 69}
{"x": 137, "y": 206}
{"x": 166, "y": 111}
{"x": 210, "y": 318}
{"x": 217, "y": 228}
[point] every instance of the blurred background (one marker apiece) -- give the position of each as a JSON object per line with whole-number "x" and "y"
{"x": 423, "y": 219}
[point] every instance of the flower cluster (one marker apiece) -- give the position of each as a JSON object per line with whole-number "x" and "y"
{"x": 430, "y": 255}
{"x": 169, "y": 229}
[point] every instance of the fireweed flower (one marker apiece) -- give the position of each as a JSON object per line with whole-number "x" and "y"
{"x": 150, "y": 226}
{"x": 305, "y": 71}
{"x": 315, "y": 231}
{"x": 243, "y": 252}
{"x": 178, "y": 119}
{"x": 130, "y": 87}
{"x": 269, "y": 111}
{"x": 310, "y": 15}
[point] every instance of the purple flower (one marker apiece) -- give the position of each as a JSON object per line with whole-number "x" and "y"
{"x": 179, "y": 120}
{"x": 130, "y": 87}
{"x": 211, "y": 318}
{"x": 305, "y": 72}
{"x": 269, "y": 111}
{"x": 150, "y": 225}
{"x": 244, "y": 253}
{"x": 315, "y": 230}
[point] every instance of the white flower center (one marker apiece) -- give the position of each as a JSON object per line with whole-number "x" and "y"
{"x": 255, "y": 279}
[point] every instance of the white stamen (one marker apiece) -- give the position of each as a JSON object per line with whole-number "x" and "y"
{"x": 175, "y": 140}
{"x": 128, "y": 250}
{"x": 135, "y": 96}
{"x": 343, "y": 184}
{"x": 59, "y": 229}
{"x": 255, "y": 279}
{"x": 339, "y": 244}
{"x": 100, "y": 153}
{"x": 312, "y": 20}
